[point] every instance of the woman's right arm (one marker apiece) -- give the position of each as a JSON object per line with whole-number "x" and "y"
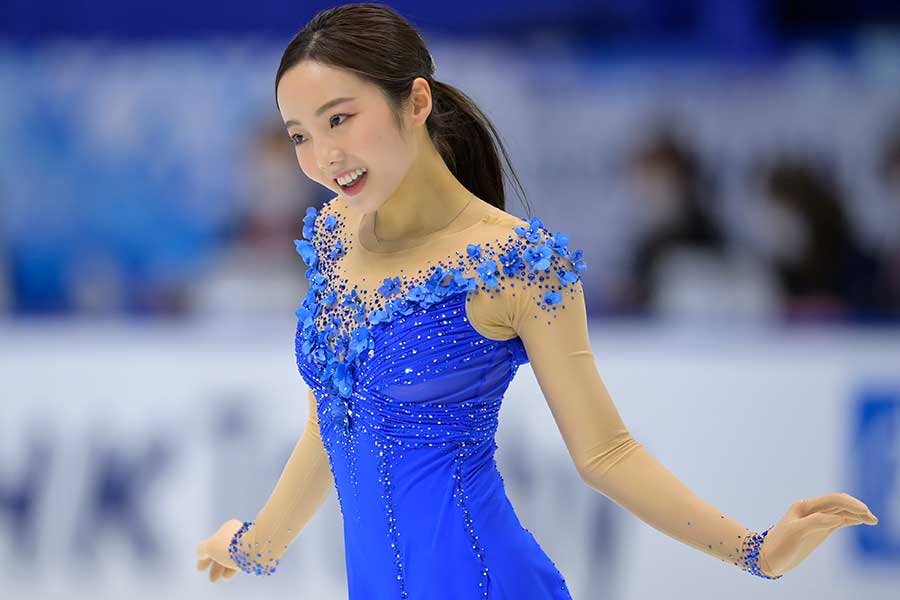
{"x": 301, "y": 489}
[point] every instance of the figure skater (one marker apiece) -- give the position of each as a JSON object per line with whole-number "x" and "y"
{"x": 425, "y": 296}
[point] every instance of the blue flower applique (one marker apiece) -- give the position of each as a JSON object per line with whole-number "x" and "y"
{"x": 435, "y": 289}
{"x": 316, "y": 345}
{"x": 577, "y": 261}
{"x": 379, "y": 316}
{"x": 397, "y": 306}
{"x": 512, "y": 263}
{"x": 538, "y": 257}
{"x": 305, "y": 318}
{"x": 474, "y": 250}
{"x": 342, "y": 380}
{"x": 351, "y": 299}
{"x": 552, "y": 297}
{"x": 533, "y": 232}
{"x": 417, "y": 294}
{"x": 389, "y": 287}
{"x": 361, "y": 342}
{"x": 337, "y": 251}
{"x": 307, "y": 253}
{"x": 487, "y": 270}
{"x": 330, "y": 222}
{"x": 559, "y": 243}
{"x": 566, "y": 277}
{"x": 308, "y": 222}
{"x": 462, "y": 282}
{"x": 400, "y": 306}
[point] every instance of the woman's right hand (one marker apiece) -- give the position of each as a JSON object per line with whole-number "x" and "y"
{"x": 805, "y": 526}
{"x": 213, "y": 552}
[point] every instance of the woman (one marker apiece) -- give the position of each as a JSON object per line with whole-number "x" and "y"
{"x": 425, "y": 296}
{"x": 822, "y": 268}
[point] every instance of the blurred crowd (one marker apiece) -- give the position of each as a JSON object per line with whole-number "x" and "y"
{"x": 811, "y": 259}
{"x": 819, "y": 263}
{"x": 174, "y": 215}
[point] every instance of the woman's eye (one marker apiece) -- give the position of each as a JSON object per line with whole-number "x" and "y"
{"x": 340, "y": 115}
{"x": 296, "y": 137}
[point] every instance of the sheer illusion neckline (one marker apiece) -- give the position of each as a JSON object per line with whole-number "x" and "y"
{"x": 460, "y": 224}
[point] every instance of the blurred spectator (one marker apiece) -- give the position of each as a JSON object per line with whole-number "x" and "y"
{"x": 679, "y": 242}
{"x": 888, "y": 244}
{"x": 822, "y": 270}
{"x": 258, "y": 270}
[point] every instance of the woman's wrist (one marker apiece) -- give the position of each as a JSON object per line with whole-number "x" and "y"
{"x": 764, "y": 564}
{"x": 752, "y": 558}
{"x": 249, "y": 560}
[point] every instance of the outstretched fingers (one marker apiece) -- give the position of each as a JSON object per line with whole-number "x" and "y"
{"x": 229, "y": 573}
{"x": 215, "y": 572}
{"x": 837, "y": 504}
{"x": 831, "y": 521}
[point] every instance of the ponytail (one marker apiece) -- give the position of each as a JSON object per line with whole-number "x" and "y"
{"x": 465, "y": 138}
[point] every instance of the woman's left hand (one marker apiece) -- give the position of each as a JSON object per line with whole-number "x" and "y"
{"x": 806, "y": 525}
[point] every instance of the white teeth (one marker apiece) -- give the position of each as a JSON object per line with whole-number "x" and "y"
{"x": 351, "y": 177}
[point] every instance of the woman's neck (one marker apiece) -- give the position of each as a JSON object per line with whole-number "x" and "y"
{"x": 427, "y": 200}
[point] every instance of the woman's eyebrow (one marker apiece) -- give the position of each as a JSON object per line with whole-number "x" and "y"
{"x": 321, "y": 109}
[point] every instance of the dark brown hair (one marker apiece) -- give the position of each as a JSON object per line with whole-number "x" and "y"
{"x": 814, "y": 194}
{"x": 378, "y": 45}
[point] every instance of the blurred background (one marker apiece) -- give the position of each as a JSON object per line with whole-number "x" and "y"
{"x": 731, "y": 170}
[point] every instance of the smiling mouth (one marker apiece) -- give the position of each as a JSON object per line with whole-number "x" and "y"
{"x": 335, "y": 179}
{"x": 356, "y": 186}
{"x": 353, "y": 181}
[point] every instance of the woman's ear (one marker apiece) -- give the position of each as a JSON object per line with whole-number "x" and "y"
{"x": 420, "y": 100}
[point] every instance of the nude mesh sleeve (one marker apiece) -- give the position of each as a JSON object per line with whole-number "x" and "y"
{"x": 551, "y": 320}
{"x": 299, "y": 492}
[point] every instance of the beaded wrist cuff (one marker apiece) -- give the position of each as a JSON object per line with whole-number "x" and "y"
{"x": 245, "y": 557}
{"x": 749, "y": 555}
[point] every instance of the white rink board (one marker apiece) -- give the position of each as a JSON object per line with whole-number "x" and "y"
{"x": 206, "y": 414}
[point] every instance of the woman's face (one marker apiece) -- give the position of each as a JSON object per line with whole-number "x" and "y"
{"x": 784, "y": 231}
{"x": 333, "y": 138}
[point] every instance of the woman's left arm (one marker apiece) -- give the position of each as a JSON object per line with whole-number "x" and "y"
{"x": 610, "y": 460}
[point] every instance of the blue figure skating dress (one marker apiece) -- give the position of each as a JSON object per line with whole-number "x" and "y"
{"x": 407, "y": 353}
